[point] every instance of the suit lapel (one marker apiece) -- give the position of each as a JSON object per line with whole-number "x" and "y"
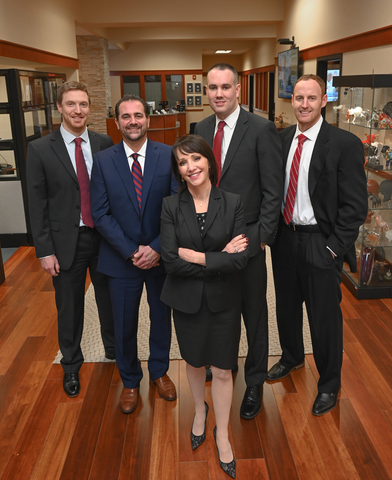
{"x": 286, "y": 144}
{"x": 61, "y": 151}
{"x": 239, "y": 131}
{"x": 150, "y": 165}
{"x": 319, "y": 156}
{"x": 213, "y": 208}
{"x": 188, "y": 210}
{"x": 94, "y": 142}
{"x": 208, "y": 135}
{"x": 121, "y": 163}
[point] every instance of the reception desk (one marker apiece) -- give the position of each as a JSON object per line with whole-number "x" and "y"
{"x": 163, "y": 128}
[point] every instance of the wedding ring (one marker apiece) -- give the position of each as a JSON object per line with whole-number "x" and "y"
{"x": 236, "y": 249}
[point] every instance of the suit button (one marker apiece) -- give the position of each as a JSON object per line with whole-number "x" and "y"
{"x": 76, "y": 226}
{"x": 77, "y": 207}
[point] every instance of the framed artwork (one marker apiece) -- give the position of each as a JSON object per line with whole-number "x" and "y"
{"x": 204, "y": 90}
{"x": 189, "y": 100}
{"x": 189, "y": 88}
{"x": 198, "y": 100}
{"x": 197, "y": 87}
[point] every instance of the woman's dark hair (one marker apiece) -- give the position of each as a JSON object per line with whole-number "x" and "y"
{"x": 193, "y": 144}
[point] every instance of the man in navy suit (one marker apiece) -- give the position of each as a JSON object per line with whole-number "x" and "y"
{"x": 317, "y": 230}
{"x": 128, "y": 184}
{"x": 63, "y": 239}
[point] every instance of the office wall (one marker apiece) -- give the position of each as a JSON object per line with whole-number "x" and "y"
{"x": 157, "y": 56}
{"x": 315, "y": 23}
{"x": 180, "y": 11}
{"x": 48, "y": 25}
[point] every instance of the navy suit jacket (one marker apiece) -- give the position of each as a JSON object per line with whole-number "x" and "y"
{"x": 115, "y": 209}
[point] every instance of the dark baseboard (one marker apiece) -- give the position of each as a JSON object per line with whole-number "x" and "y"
{"x": 9, "y": 240}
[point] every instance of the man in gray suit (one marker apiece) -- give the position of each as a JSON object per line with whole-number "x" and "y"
{"x": 66, "y": 242}
{"x": 251, "y": 166}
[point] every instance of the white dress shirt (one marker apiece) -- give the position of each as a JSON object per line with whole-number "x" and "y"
{"x": 231, "y": 122}
{"x": 303, "y": 213}
{"x": 141, "y": 155}
{"x": 69, "y": 140}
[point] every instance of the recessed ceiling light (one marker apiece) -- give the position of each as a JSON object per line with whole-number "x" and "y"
{"x": 223, "y": 51}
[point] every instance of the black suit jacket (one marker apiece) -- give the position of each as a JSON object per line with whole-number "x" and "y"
{"x": 183, "y": 289}
{"x": 253, "y": 170}
{"x": 337, "y": 187}
{"x": 54, "y": 197}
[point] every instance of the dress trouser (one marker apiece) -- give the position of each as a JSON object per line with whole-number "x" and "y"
{"x": 69, "y": 288}
{"x": 126, "y": 294}
{"x": 305, "y": 271}
{"x": 255, "y": 313}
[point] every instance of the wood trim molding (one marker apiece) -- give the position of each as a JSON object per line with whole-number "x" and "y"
{"x": 21, "y": 52}
{"x": 117, "y": 73}
{"x": 267, "y": 68}
{"x": 362, "y": 41}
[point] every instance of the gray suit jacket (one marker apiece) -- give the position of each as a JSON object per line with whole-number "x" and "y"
{"x": 252, "y": 169}
{"x": 54, "y": 197}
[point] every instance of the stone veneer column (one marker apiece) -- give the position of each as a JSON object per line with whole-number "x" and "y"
{"x": 93, "y": 55}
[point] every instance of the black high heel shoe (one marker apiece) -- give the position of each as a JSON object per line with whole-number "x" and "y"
{"x": 197, "y": 440}
{"x": 228, "y": 468}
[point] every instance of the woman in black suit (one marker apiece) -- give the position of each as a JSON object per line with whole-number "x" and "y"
{"x": 203, "y": 246}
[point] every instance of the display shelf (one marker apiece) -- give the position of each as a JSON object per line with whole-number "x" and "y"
{"x": 364, "y": 107}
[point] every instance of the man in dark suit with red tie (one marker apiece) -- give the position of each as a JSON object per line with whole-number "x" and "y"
{"x": 58, "y": 169}
{"x": 325, "y": 202}
{"x": 128, "y": 184}
{"x": 248, "y": 151}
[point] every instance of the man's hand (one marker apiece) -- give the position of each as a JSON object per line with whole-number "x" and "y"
{"x": 51, "y": 265}
{"x": 146, "y": 258}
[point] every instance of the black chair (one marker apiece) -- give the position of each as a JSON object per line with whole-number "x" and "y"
{"x": 192, "y": 127}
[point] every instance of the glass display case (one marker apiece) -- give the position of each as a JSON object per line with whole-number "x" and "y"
{"x": 27, "y": 111}
{"x": 364, "y": 107}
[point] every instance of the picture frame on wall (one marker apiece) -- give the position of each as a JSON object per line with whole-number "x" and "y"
{"x": 197, "y": 87}
{"x": 189, "y": 88}
{"x": 189, "y": 100}
{"x": 204, "y": 90}
{"x": 198, "y": 100}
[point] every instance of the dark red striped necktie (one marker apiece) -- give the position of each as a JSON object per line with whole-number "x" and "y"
{"x": 84, "y": 184}
{"x": 217, "y": 147}
{"x": 137, "y": 179}
{"x": 292, "y": 188}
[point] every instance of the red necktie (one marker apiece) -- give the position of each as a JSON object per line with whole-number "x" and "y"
{"x": 217, "y": 147}
{"x": 84, "y": 184}
{"x": 137, "y": 179}
{"x": 292, "y": 188}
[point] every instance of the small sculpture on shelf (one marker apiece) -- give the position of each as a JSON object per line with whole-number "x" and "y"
{"x": 279, "y": 120}
{"x": 386, "y": 190}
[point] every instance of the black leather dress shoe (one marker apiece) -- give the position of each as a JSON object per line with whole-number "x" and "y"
{"x": 324, "y": 403}
{"x": 279, "y": 371}
{"x": 252, "y": 402}
{"x": 110, "y": 355}
{"x": 71, "y": 384}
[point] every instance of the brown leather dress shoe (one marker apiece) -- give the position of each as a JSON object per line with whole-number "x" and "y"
{"x": 165, "y": 387}
{"x": 128, "y": 399}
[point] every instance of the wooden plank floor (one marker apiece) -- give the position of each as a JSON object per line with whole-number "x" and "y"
{"x": 46, "y": 435}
